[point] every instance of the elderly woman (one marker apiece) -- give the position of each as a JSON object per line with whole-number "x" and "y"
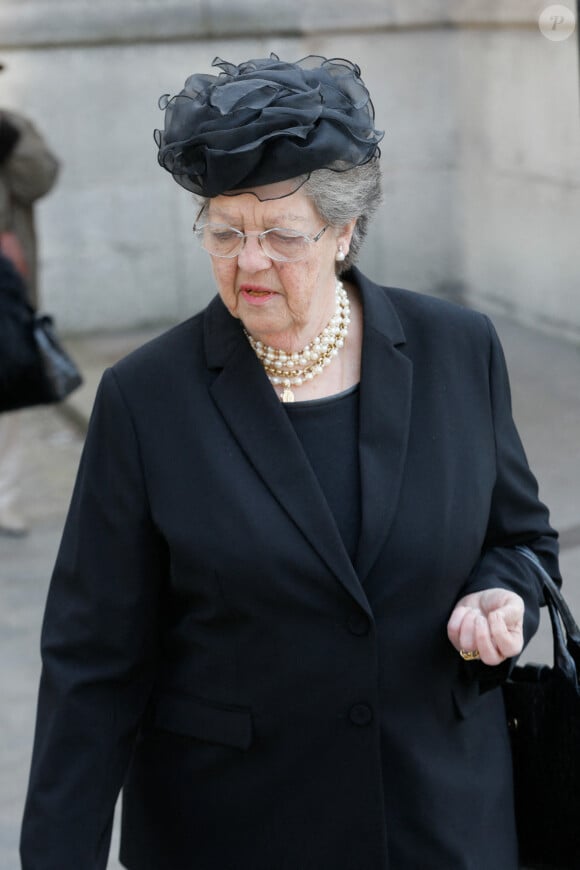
{"x": 291, "y": 581}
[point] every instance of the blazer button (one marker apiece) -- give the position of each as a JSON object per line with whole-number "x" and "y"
{"x": 359, "y": 624}
{"x": 360, "y": 714}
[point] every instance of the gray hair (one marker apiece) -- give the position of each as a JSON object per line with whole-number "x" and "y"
{"x": 341, "y": 196}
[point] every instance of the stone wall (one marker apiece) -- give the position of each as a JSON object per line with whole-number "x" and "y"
{"x": 481, "y": 153}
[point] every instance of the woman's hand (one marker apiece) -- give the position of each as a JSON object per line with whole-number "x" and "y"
{"x": 489, "y": 622}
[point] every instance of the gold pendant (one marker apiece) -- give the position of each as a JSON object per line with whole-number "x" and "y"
{"x": 287, "y": 395}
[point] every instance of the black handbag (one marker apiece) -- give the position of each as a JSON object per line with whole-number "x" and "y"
{"x": 543, "y": 713}
{"x": 34, "y": 367}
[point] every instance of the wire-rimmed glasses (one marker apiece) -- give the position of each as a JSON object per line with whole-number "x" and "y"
{"x": 277, "y": 243}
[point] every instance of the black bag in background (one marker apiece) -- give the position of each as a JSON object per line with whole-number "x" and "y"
{"x": 543, "y": 711}
{"x": 34, "y": 368}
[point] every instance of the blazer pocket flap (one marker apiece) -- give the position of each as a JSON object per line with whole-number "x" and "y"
{"x": 192, "y": 717}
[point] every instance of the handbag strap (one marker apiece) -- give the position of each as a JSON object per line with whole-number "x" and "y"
{"x": 554, "y": 593}
{"x": 564, "y": 627}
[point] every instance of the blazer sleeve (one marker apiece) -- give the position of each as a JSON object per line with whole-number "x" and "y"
{"x": 517, "y": 517}
{"x": 99, "y": 648}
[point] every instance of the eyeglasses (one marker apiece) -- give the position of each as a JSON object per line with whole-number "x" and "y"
{"x": 284, "y": 245}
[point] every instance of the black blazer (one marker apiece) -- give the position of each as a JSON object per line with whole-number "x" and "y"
{"x": 209, "y": 645}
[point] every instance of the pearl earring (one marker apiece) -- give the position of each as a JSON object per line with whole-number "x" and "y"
{"x": 340, "y": 255}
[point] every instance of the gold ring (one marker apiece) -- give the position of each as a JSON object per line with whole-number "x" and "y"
{"x": 469, "y": 655}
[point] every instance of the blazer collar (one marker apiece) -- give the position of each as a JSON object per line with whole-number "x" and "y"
{"x": 385, "y": 413}
{"x": 379, "y": 313}
{"x": 259, "y": 423}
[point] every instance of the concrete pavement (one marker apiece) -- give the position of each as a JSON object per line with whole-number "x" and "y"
{"x": 545, "y": 374}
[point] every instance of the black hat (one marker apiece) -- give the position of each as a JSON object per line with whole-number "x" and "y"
{"x": 265, "y": 121}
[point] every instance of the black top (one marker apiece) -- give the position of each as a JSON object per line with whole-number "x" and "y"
{"x": 328, "y": 430}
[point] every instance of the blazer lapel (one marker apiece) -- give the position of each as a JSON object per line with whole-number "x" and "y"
{"x": 259, "y": 424}
{"x": 385, "y": 411}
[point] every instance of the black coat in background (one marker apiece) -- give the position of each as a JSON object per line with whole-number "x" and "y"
{"x": 18, "y": 354}
{"x": 267, "y": 704}
{"x": 10, "y": 281}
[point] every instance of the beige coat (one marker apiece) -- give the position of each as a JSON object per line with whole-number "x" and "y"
{"x": 28, "y": 174}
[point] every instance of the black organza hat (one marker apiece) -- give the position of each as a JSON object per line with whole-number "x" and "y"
{"x": 266, "y": 121}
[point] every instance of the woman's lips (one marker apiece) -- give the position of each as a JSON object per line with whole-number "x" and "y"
{"x": 256, "y": 295}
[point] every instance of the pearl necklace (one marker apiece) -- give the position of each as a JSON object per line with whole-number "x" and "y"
{"x": 293, "y": 369}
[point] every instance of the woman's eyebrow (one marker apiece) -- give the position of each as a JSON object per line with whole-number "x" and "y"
{"x": 277, "y": 220}
{"x": 284, "y": 219}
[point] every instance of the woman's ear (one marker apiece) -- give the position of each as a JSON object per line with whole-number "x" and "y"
{"x": 343, "y": 240}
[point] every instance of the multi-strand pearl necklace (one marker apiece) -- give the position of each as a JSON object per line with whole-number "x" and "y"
{"x": 294, "y": 369}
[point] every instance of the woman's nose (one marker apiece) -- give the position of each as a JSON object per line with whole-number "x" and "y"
{"x": 252, "y": 258}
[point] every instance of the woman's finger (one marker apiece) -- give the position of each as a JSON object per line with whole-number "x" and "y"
{"x": 506, "y": 636}
{"x": 467, "y": 638}
{"x": 488, "y": 651}
{"x": 454, "y": 624}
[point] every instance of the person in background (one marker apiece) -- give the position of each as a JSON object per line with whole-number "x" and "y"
{"x": 28, "y": 170}
{"x": 291, "y": 581}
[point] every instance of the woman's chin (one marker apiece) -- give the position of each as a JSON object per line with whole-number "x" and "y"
{"x": 270, "y": 331}
{"x": 261, "y": 323}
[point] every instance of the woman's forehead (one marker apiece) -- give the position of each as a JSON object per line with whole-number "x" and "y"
{"x": 246, "y": 207}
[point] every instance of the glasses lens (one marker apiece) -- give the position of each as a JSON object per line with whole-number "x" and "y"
{"x": 220, "y": 240}
{"x": 284, "y": 244}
